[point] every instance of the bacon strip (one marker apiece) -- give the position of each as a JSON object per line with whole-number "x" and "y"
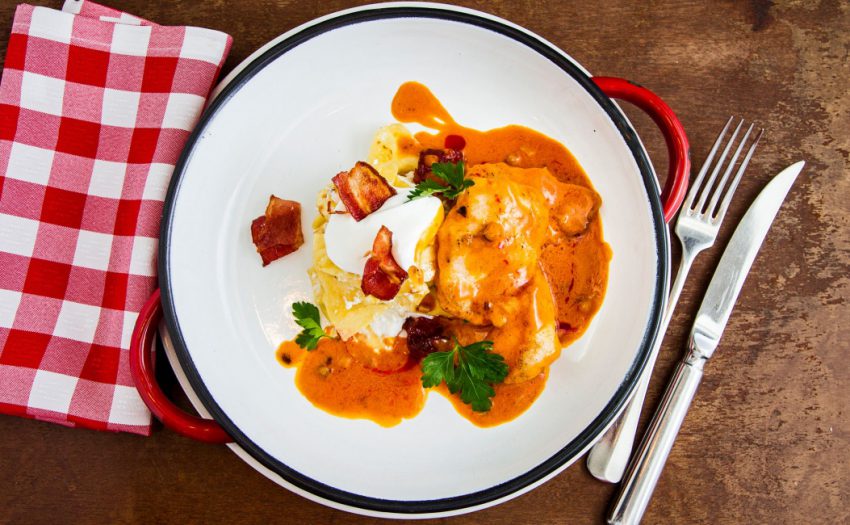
{"x": 278, "y": 232}
{"x": 362, "y": 190}
{"x": 382, "y": 276}
{"x": 430, "y": 156}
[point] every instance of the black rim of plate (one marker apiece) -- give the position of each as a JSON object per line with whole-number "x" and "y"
{"x": 505, "y": 489}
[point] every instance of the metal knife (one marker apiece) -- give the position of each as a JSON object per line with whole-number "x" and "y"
{"x": 646, "y": 466}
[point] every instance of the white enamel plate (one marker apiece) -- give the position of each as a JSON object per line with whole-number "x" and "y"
{"x": 305, "y": 108}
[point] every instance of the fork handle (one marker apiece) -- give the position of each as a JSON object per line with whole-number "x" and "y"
{"x": 647, "y": 465}
{"x": 609, "y": 457}
{"x": 678, "y": 148}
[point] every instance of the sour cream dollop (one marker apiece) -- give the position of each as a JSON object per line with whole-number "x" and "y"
{"x": 349, "y": 242}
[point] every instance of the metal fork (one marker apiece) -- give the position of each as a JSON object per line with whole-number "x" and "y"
{"x": 697, "y": 226}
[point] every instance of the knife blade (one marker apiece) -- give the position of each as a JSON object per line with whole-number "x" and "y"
{"x": 736, "y": 261}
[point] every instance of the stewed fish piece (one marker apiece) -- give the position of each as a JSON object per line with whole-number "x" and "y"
{"x": 489, "y": 245}
{"x": 571, "y": 207}
{"x": 529, "y": 341}
{"x": 488, "y": 259}
{"x": 488, "y": 248}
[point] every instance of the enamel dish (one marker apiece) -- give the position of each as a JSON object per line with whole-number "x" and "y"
{"x": 304, "y": 108}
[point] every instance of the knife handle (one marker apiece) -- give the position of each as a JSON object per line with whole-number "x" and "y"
{"x": 648, "y": 463}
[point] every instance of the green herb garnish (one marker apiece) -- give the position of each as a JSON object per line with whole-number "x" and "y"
{"x": 307, "y": 317}
{"x": 452, "y": 174}
{"x": 471, "y": 370}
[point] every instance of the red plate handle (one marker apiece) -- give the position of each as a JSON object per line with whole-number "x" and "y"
{"x": 678, "y": 148}
{"x": 142, "y": 369}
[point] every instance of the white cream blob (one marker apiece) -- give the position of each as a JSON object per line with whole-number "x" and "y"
{"x": 389, "y": 322}
{"x": 349, "y": 242}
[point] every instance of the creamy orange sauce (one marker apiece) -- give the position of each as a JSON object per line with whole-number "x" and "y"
{"x": 525, "y": 147}
{"x": 290, "y": 354}
{"x": 510, "y": 401}
{"x": 521, "y": 257}
{"x": 576, "y": 266}
{"x": 337, "y": 383}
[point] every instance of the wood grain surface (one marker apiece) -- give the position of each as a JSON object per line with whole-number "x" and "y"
{"x": 767, "y": 439}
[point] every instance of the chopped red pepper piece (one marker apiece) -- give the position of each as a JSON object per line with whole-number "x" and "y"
{"x": 455, "y": 142}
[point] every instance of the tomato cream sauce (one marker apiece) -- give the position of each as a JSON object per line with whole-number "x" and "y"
{"x": 576, "y": 267}
{"x": 563, "y": 275}
{"x": 333, "y": 380}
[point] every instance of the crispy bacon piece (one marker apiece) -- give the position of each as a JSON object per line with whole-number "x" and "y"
{"x": 382, "y": 276}
{"x": 362, "y": 190}
{"x": 425, "y": 335}
{"x": 430, "y": 156}
{"x": 278, "y": 232}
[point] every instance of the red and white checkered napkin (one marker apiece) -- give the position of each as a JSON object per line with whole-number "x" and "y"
{"x": 95, "y": 106}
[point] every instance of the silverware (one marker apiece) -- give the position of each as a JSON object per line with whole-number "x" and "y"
{"x": 696, "y": 231}
{"x": 705, "y": 335}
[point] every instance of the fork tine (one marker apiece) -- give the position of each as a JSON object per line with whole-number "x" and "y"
{"x": 689, "y": 200}
{"x": 712, "y": 204}
{"x": 728, "y": 197}
{"x": 709, "y": 185}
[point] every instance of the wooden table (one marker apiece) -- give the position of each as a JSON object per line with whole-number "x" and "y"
{"x": 767, "y": 438}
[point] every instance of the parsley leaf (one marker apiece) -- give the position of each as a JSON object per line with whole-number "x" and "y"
{"x": 426, "y": 188}
{"x": 438, "y": 367}
{"x": 452, "y": 174}
{"x": 307, "y": 317}
{"x": 471, "y": 370}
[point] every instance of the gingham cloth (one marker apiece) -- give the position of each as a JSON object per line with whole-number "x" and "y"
{"x": 95, "y": 106}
